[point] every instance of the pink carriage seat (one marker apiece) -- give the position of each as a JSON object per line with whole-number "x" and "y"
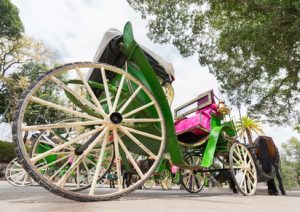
{"x": 197, "y": 125}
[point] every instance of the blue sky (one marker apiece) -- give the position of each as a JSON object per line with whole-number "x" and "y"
{"x": 74, "y": 28}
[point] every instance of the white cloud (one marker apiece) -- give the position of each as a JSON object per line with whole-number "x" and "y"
{"x": 5, "y": 132}
{"x": 74, "y": 28}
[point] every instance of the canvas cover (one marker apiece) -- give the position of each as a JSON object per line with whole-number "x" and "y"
{"x": 109, "y": 52}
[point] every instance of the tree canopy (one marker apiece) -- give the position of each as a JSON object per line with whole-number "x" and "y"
{"x": 251, "y": 47}
{"x": 14, "y": 86}
{"x": 22, "y": 60}
{"x": 10, "y": 22}
{"x": 291, "y": 162}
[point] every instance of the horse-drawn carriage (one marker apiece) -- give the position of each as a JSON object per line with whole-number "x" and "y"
{"x": 118, "y": 112}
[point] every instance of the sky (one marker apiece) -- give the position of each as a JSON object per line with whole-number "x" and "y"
{"x": 74, "y": 28}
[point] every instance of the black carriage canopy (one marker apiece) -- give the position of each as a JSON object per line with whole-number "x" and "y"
{"x": 109, "y": 52}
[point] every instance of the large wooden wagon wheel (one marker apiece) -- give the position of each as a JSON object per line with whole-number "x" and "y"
{"x": 192, "y": 180}
{"x": 243, "y": 170}
{"x": 116, "y": 109}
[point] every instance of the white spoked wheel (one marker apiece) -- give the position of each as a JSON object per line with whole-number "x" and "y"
{"x": 81, "y": 178}
{"x": 102, "y": 177}
{"x": 16, "y": 175}
{"x": 115, "y": 108}
{"x": 149, "y": 183}
{"x": 243, "y": 170}
{"x": 192, "y": 180}
{"x": 166, "y": 179}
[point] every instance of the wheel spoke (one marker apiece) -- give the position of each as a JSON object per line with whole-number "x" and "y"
{"x": 138, "y": 109}
{"x": 59, "y": 170}
{"x": 244, "y": 155}
{"x": 90, "y": 91}
{"x": 16, "y": 175}
{"x": 245, "y": 186}
{"x": 54, "y": 162}
{"x": 130, "y": 157}
{"x": 142, "y": 133}
{"x": 79, "y": 97}
{"x": 243, "y": 179}
{"x": 236, "y": 161}
{"x": 61, "y": 125}
{"x": 92, "y": 162}
{"x": 130, "y": 99}
{"x": 99, "y": 164}
{"x": 251, "y": 174}
{"x": 140, "y": 144}
{"x": 141, "y": 120}
{"x": 106, "y": 90}
{"x": 196, "y": 182}
{"x": 248, "y": 182}
{"x": 118, "y": 159}
{"x": 238, "y": 154}
{"x": 62, "y": 108}
{"x": 250, "y": 161}
{"x": 85, "y": 166}
{"x": 64, "y": 178}
{"x": 118, "y": 93}
{"x": 250, "y": 179}
{"x": 57, "y": 148}
{"x": 190, "y": 182}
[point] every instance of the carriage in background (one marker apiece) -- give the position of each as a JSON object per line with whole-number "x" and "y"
{"x": 118, "y": 109}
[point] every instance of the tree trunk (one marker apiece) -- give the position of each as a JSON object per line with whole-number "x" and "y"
{"x": 249, "y": 136}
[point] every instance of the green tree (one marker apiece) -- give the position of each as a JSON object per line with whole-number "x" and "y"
{"x": 10, "y": 23}
{"x": 297, "y": 127}
{"x": 14, "y": 53}
{"x": 247, "y": 126}
{"x": 21, "y": 61}
{"x": 17, "y": 82}
{"x": 290, "y": 157}
{"x": 252, "y": 47}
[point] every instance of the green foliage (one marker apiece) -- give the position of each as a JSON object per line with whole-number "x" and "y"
{"x": 297, "y": 127}
{"x": 252, "y": 47}
{"x": 10, "y": 22}
{"x": 7, "y": 152}
{"x": 290, "y": 165}
{"x": 17, "y": 83}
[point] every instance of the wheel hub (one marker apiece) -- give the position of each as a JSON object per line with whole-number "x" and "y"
{"x": 116, "y": 118}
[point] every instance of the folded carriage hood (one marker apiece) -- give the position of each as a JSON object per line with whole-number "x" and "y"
{"x": 112, "y": 33}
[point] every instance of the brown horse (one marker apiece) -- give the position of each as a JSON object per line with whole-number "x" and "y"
{"x": 268, "y": 163}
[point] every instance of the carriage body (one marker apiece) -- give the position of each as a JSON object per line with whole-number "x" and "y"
{"x": 118, "y": 112}
{"x": 111, "y": 51}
